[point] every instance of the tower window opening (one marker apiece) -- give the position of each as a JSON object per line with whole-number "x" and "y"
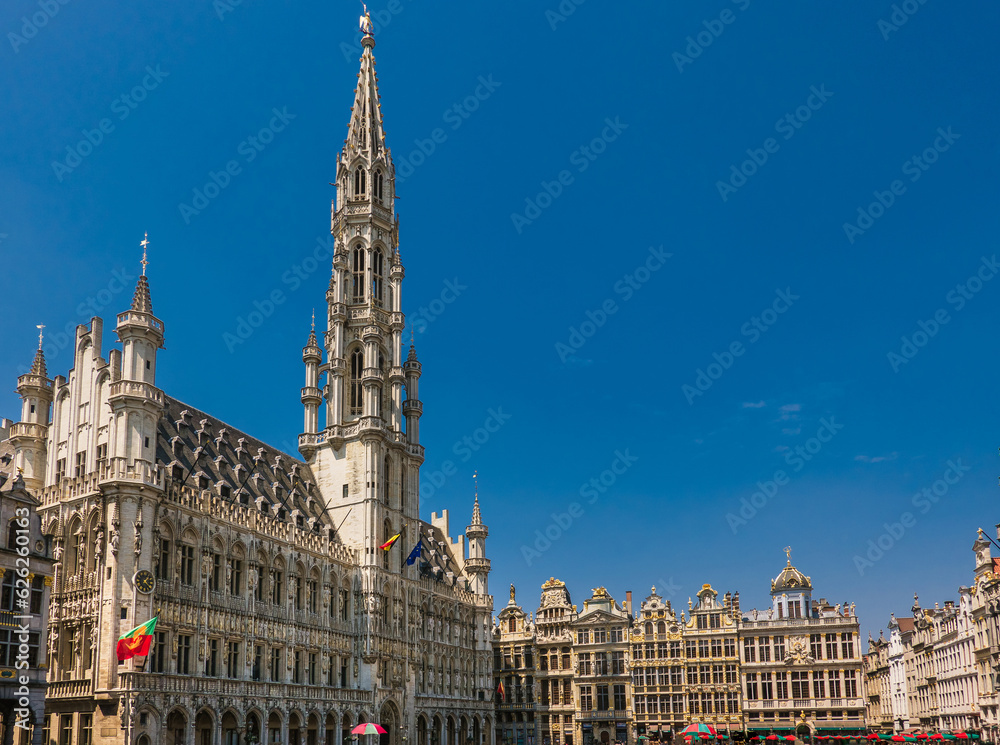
{"x": 357, "y": 366}
{"x": 359, "y": 182}
{"x": 358, "y": 275}
{"x": 378, "y": 274}
{"x": 377, "y": 182}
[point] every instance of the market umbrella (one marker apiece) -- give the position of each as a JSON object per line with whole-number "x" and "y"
{"x": 368, "y": 729}
{"x": 921, "y": 736}
{"x": 961, "y": 735}
{"x": 790, "y": 738}
{"x": 699, "y": 729}
{"x": 872, "y": 736}
{"x": 772, "y": 738}
{"x": 936, "y": 736}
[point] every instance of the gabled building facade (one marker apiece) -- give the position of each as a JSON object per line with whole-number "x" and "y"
{"x": 801, "y": 662}
{"x": 603, "y": 682}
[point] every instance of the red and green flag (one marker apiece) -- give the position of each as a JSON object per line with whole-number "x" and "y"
{"x": 500, "y": 691}
{"x": 136, "y": 643}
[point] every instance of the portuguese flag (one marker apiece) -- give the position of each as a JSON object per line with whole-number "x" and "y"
{"x": 136, "y": 643}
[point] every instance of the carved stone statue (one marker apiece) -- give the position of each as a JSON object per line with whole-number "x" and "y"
{"x": 512, "y": 593}
{"x": 137, "y": 541}
{"x": 116, "y": 538}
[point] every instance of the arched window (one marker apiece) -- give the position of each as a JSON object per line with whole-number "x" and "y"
{"x": 513, "y": 624}
{"x": 386, "y": 479}
{"x": 377, "y": 183}
{"x": 402, "y": 486}
{"x": 357, "y": 367}
{"x": 359, "y": 182}
{"x": 358, "y": 275}
{"x": 378, "y": 390}
{"x": 649, "y": 629}
{"x": 386, "y": 535}
{"x": 378, "y": 274}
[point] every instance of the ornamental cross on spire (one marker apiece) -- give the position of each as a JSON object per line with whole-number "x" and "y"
{"x": 144, "y": 243}
{"x": 314, "y": 320}
{"x": 41, "y": 330}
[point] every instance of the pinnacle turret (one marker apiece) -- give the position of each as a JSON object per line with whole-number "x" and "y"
{"x": 141, "y": 300}
{"x": 38, "y": 366}
{"x": 477, "y": 517}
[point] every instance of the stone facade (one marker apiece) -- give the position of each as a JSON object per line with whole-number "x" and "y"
{"x": 567, "y": 677}
{"x": 281, "y": 618}
{"x": 801, "y": 662}
{"x": 602, "y": 671}
{"x": 878, "y": 704}
{"x": 26, "y": 571}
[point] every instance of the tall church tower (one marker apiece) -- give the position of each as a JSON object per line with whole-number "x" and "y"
{"x": 365, "y": 459}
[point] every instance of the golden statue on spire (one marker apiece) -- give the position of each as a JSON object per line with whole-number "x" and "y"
{"x": 365, "y": 22}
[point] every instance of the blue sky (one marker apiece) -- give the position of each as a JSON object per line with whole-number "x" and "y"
{"x": 700, "y": 183}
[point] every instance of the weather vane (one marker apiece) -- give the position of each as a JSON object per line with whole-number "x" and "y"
{"x": 144, "y": 243}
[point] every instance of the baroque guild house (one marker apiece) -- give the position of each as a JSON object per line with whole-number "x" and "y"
{"x": 281, "y": 620}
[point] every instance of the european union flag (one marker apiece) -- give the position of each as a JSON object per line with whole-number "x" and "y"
{"x": 414, "y": 554}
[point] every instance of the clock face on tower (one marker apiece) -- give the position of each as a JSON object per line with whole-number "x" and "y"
{"x": 144, "y": 581}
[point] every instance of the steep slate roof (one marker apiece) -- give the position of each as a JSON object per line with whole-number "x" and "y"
{"x": 436, "y": 561}
{"x": 192, "y": 445}
{"x": 905, "y": 624}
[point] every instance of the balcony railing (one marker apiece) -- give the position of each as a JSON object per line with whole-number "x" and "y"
{"x": 63, "y": 689}
{"x": 250, "y": 689}
{"x": 603, "y": 716}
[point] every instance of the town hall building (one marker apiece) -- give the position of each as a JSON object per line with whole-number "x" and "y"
{"x": 280, "y": 617}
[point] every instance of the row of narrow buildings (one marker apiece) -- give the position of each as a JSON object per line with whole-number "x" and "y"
{"x": 613, "y": 672}
{"x": 939, "y": 668}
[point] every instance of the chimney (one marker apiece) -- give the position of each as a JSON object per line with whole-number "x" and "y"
{"x": 628, "y": 602}
{"x": 736, "y": 602}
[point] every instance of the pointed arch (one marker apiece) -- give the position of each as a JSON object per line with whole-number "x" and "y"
{"x": 378, "y": 276}
{"x": 356, "y": 388}
{"x": 358, "y": 261}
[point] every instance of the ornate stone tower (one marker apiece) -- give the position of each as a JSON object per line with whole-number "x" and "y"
{"x": 29, "y": 435}
{"x": 477, "y": 565}
{"x": 365, "y": 461}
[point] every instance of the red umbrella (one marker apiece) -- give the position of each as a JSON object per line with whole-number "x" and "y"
{"x": 921, "y": 736}
{"x": 772, "y": 738}
{"x": 961, "y": 735}
{"x": 790, "y": 738}
{"x": 872, "y": 736}
{"x": 936, "y": 736}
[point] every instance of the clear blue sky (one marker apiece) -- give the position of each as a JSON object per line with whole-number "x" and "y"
{"x": 685, "y": 114}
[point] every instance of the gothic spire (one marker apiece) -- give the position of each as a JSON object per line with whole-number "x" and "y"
{"x": 141, "y": 301}
{"x": 38, "y": 366}
{"x": 365, "y": 133}
{"x": 313, "y": 342}
{"x": 477, "y": 516}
